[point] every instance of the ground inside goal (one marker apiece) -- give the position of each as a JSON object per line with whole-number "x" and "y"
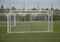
{"x": 30, "y": 21}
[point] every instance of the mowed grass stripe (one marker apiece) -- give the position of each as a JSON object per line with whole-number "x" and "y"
{"x": 30, "y": 26}
{"x": 55, "y": 35}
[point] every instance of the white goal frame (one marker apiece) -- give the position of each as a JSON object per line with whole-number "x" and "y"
{"x": 50, "y": 26}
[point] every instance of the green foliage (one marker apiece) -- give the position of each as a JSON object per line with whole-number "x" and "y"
{"x": 2, "y": 10}
{"x": 13, "y": 8}
{"x": 46, "y": 9}
{"x": 34, "y": 9}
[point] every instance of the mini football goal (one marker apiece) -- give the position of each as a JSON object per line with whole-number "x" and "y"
{"x": 29, "y": 21}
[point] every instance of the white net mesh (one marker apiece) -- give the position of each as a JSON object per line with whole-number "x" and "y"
{"x": 30, "y": 21}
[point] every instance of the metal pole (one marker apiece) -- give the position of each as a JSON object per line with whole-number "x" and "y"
{"x": 51, "y": 17}
{"x": 9, "y": 17}
{"x": 24, "y": 6}
{"x": 38, "y": 5}
{"x": 51, "y": 6}
{"x": 14, "y": 19}
{"x": 8, "y": 24}
{"x": 23, "y": 10}
{"x": 8, "y": 21}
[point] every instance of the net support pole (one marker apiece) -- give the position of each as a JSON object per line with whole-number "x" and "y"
{"x": 14, "y": 19}
{"x": 8, "y": 24}
{"x": 50, "y": 21}
{"x": 9, "y": 20}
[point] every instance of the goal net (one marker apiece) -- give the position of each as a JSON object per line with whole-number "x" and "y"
{"x": 30, "y": 21}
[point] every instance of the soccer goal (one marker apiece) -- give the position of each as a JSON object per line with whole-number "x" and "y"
{"x": 30, "y": 21}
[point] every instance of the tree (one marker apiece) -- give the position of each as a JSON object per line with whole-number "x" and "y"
{"x": 34, "y": 9}
{"x": 56, "y": 11}
{"x": 2, "y": 7}
{"x": 52, "y": 9}
{"x": 2, "y": 10}
{"x": 46, "y": 9}
{"x": 56, "y": 14}
{"x": 13, "y": 8}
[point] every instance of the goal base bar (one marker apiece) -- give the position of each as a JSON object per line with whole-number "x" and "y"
{"x": 31, "y": 32}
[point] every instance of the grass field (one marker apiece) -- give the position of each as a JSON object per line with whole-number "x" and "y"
{"x": 30, "y": 37}
{"x": 29, "y": 26}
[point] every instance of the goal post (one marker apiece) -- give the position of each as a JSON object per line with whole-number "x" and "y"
{"x": 43, "y": 24}
{"x": 50, "y": 20}
{"x": 8, "y": 23}
{"x": 14, "y": 19}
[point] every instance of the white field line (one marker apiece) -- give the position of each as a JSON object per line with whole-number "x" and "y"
{"x": 3, "y": 25}
{"x": 29, "y": 38}
{"x": 29, "y": 21}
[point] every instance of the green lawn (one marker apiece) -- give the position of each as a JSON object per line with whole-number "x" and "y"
{"x": 29, "y": 26}
{"x": 30, "y": 37}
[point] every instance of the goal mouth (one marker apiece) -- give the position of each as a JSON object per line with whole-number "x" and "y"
{"x": 27, "y": 22}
